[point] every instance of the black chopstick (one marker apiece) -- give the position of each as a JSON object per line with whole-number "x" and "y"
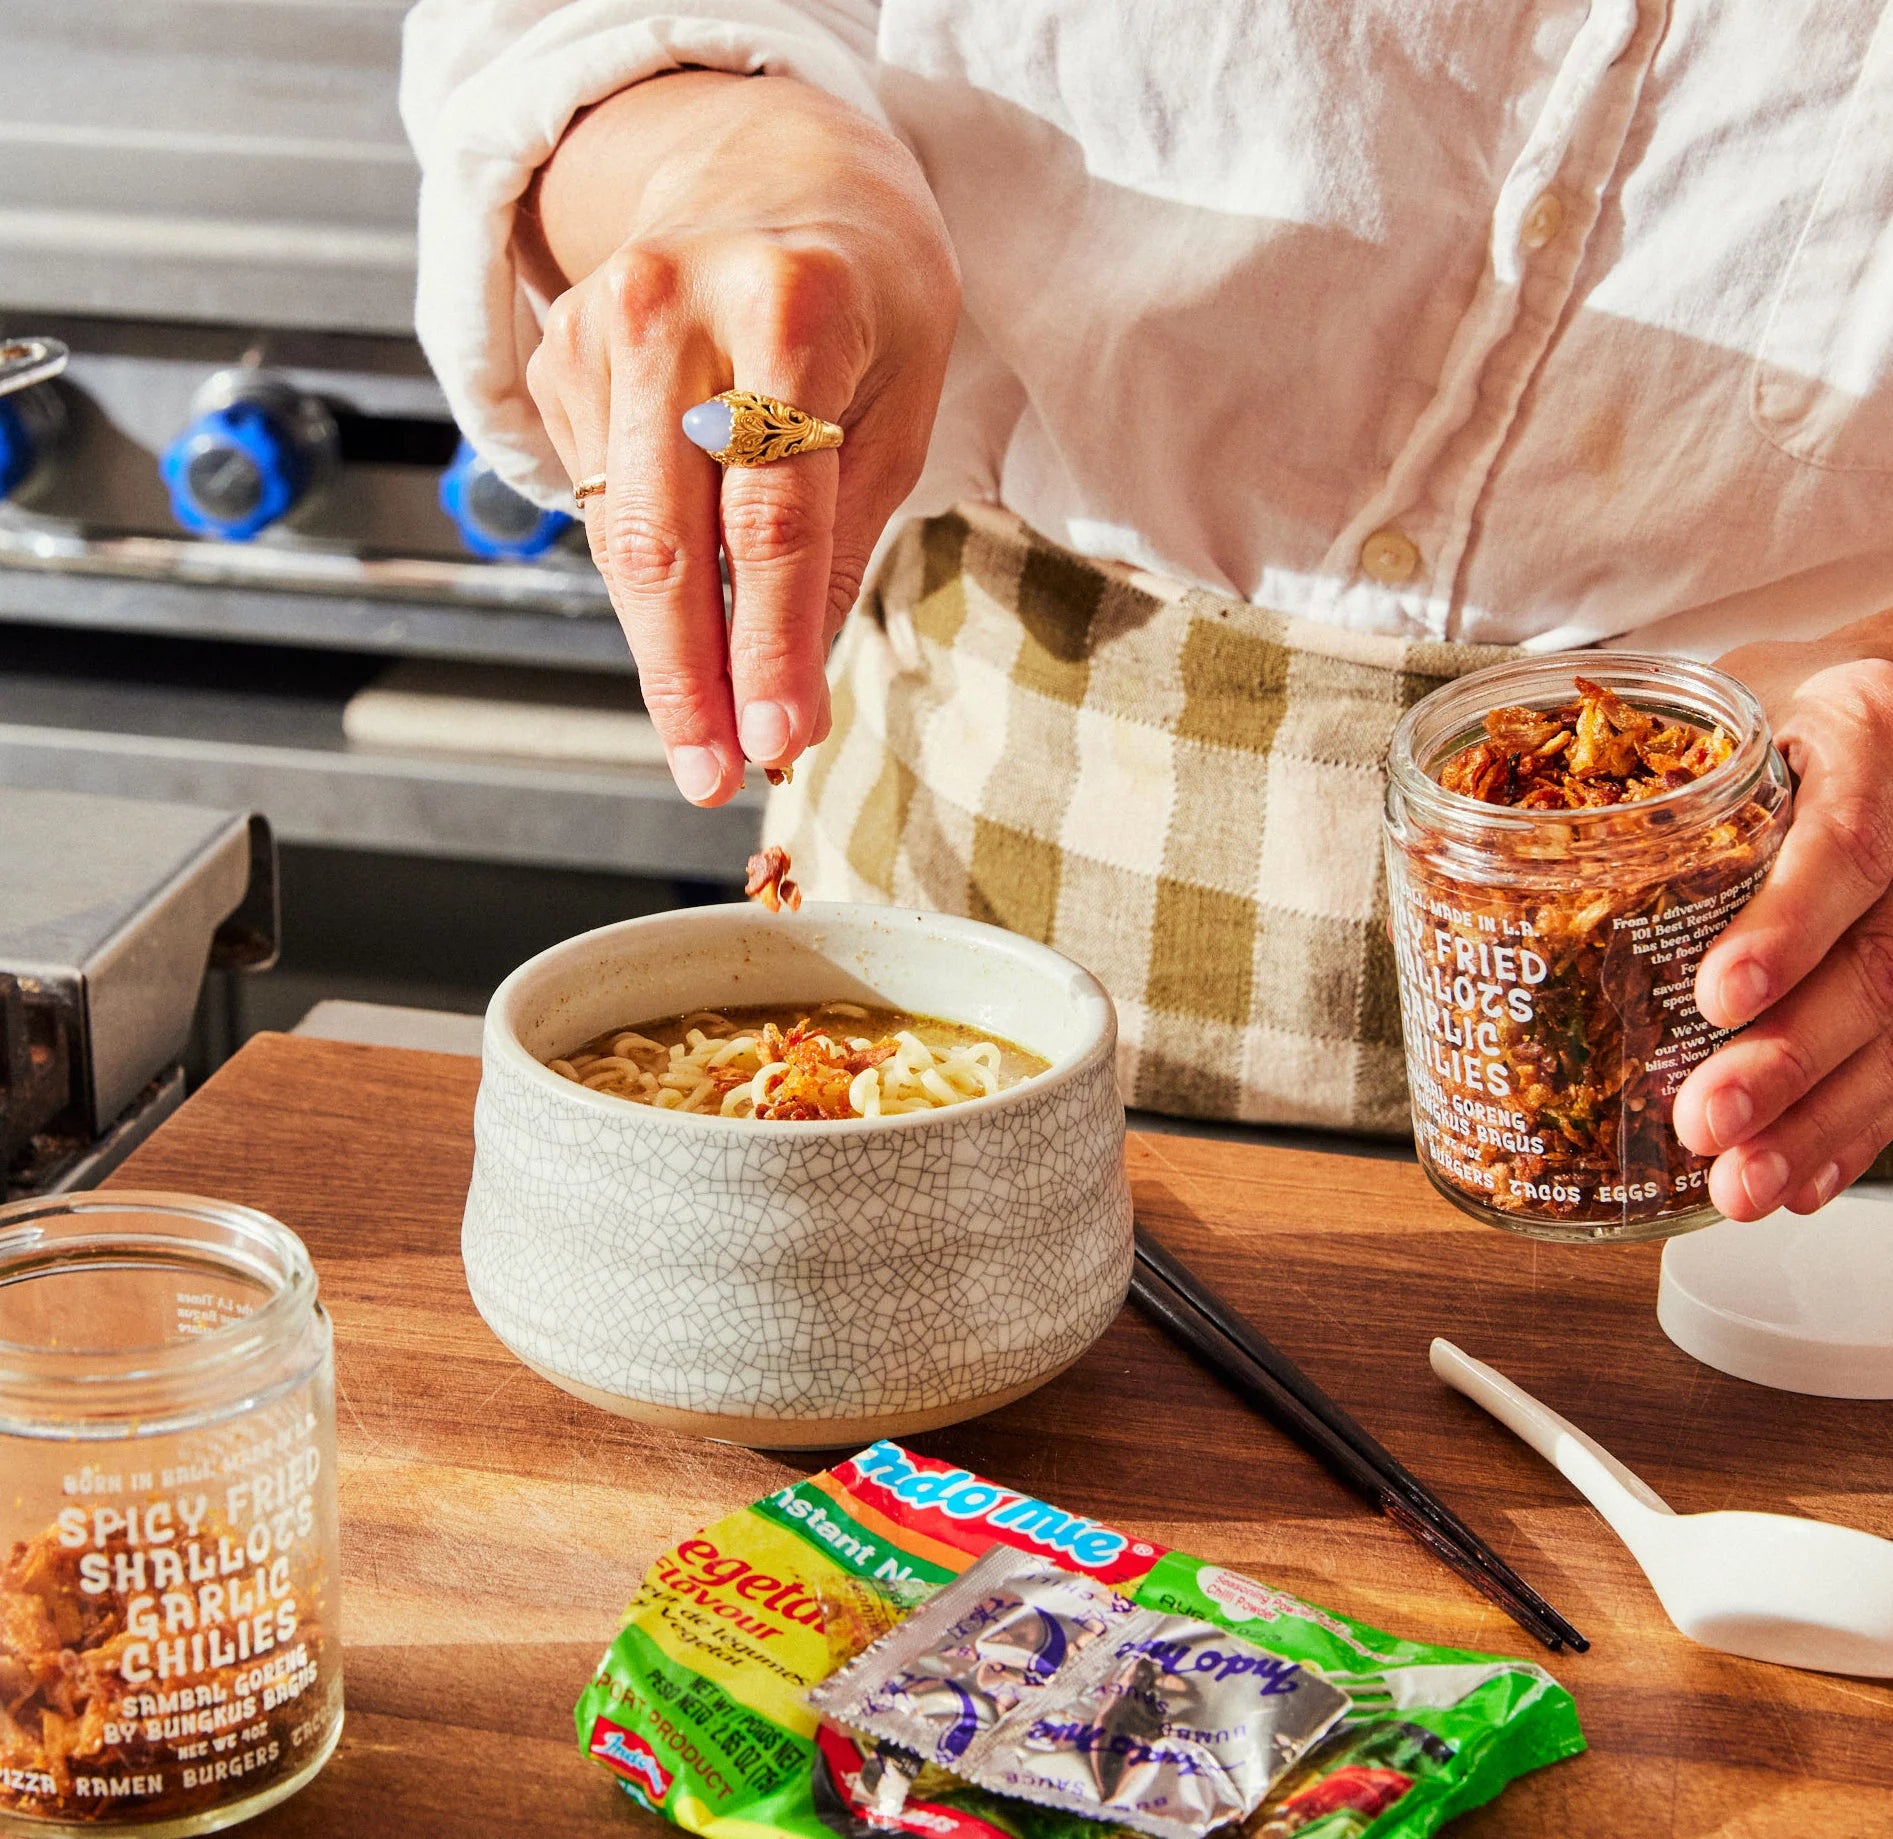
{"x": 1406, "y": 1486}
{"x": 1174, "y": 1313}
{"x": 1193, "y": 1311}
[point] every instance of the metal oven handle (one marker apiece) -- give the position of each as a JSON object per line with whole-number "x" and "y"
{"x": 26, "y": 361}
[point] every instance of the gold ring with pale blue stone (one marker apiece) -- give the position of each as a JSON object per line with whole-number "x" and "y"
{"x": 742, "y": 428}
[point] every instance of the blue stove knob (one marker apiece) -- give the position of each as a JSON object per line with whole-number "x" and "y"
{"x": 32, "y": 429}
{"x": 18, "y": 452}
{"x": 494, "y": 520}
{"x": 235, "y": 471}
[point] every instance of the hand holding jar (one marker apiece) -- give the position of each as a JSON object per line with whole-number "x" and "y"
{"x": 1799, "y": 1103}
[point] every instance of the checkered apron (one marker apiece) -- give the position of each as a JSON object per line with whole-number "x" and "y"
{"x": 1180, "y": 791}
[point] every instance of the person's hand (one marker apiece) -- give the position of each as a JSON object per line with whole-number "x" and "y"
{"x": 752, "y": 233}
{"x": 1799, "y": 1103}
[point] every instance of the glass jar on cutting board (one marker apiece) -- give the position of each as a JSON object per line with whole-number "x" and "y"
{"x": 170, "y": 1649}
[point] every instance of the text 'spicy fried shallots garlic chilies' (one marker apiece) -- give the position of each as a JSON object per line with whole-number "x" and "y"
{"x": 1565, "y": 837}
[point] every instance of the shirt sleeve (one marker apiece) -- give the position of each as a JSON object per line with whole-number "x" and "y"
{"x": 487, "y": 89}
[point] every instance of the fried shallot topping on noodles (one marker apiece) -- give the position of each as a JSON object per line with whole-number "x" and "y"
{"x": 1596, "y": 751}
{"x": 820, "y": 1072}
{"x": 769, "y": 880}
{"x": 840, "y": 1061}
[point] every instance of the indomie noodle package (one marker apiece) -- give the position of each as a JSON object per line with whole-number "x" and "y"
{"x": 701, "y": 1706}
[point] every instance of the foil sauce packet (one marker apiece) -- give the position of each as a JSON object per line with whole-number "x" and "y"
{"x": 1033, "y": 1682}
{"x": 700, "y": 1708}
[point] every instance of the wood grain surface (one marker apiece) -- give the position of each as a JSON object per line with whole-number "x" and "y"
{"x": 493, "y": 1527}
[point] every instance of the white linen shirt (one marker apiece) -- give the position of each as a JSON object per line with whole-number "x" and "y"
{"x": 1501, "y": 320}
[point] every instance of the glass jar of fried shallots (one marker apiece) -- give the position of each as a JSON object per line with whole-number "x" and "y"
{"x": 1565, "y": 836}
{"x": 170, "y": 1659}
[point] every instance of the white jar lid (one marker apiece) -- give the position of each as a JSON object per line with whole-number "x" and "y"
{"x": 1804, "y": 1304}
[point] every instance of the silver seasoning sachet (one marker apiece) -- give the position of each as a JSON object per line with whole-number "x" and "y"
{"x": 1037, "y": 1682}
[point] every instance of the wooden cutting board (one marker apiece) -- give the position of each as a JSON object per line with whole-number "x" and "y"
{"x": 493, "y": 1526}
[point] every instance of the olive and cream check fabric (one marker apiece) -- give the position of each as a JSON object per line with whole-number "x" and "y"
{"x": 1179, "y": 791}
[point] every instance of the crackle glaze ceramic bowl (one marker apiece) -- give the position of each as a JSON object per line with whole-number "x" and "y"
{"x": 799, "y": 1284}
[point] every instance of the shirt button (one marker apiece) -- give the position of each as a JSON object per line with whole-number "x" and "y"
{"x": 1390, "y": 557}
{"x": 1542, "y": 222}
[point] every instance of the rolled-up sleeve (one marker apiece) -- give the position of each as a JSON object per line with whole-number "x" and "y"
{"x": 487, "y": 89}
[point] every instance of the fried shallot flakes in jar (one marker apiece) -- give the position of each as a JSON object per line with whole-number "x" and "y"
{"x": 170, "y": 1650}
{"x": 1565, "y": 837}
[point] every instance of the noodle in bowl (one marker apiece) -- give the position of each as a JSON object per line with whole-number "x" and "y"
{"x": 687, "y": 1257}
{"x": 809, "y": 1066}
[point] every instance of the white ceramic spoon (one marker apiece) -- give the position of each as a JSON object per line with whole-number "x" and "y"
{"x": 1770, "y": 1586}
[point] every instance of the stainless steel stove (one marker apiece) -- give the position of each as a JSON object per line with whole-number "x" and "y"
{"x": 212, "y": 203}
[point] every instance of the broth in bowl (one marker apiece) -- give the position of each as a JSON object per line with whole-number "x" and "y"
{"x": 779, "y": 1062}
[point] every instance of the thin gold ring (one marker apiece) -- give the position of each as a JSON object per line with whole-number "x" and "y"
{"x": 588, "y": 488}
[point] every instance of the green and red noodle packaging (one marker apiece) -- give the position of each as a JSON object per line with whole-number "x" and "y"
{"x": 698, "y": 1707}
